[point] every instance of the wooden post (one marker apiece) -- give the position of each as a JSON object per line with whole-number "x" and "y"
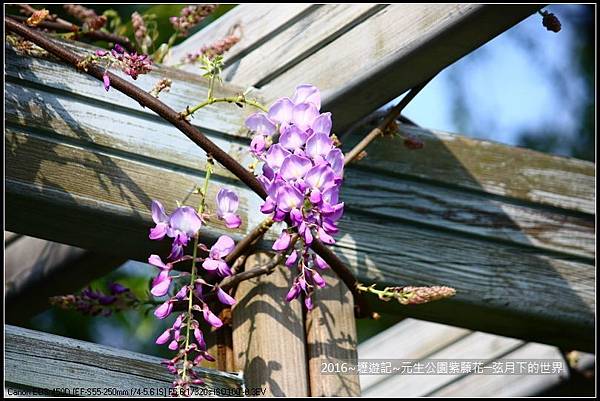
{"x": 269, "y": 342}
{"x": 331, "y": 337}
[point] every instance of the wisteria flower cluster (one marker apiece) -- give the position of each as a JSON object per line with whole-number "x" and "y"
{"x": 132, "y": 64}
{"x": 191, "y": 16}
{"x": 181, "y": 226}
{"x": 302, "y": 174}
{"x": 215, "y": 49}
{"x": 91, "y": 21}
{"x": 98, "y": 303}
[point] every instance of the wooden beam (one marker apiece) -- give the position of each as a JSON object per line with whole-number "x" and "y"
{"x": 513, "y": 174}
{"x": 474, "y": 346}
{"x": 331, "y": 336}
{"x": 298, "y": 41}
{"x": 259, "y": 23}
{"x": 525, "y": 241}
{"x": 44, "y": 361}
{"x": 511, "y": 385}
{"x": 408, "y": 339}
{"x": 392, "y": 51}
{"x": 419, "y": 340}
{"x": 269, "y": 340}
{"x": 36, "y": 269}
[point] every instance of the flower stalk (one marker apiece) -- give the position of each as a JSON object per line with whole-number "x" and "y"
{"x": 201, "y": 207}
{"x": 410, "y": 295}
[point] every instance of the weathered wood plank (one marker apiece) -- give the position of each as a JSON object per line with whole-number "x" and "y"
{"x": 269, "y": 338}
{"x": 186, "y": 90}
{"x": 117, "y": 191}
{"x": 474, "y": 346}
{"x": 394, "y": 50}
{"x": 298, "y": 41}
{"x": 420, "y": 340}
{"x": 67, "y": 168}
{"x": 409, "y": 339}
{"x": 259, "y": 23}
{"x": 507, "y": 385}
{"x": 484, "y": 166}
{"x": 10, "y": 237}
{"x": 468, "y": 212}
{"x": 500, "y": 288}
{"x": 331, "y": 336}
{"x": 46, "y": 361}
{"x": 419, "y": 202}
{"x": 35, "y": 269}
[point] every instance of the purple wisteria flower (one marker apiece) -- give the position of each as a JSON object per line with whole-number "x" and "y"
{"x": 181, "y": 225}
{"x": 132, "y": 64}
{"x": 218, "y": 251}
{"x": 302, "y": 174}
{"x": 227, "y": 205}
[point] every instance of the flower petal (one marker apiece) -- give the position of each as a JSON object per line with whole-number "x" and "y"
{"x": 232, "y": 220}
{"x": 304, "y": 115}
{"x": 281, "y": 111}
{"x": 161, "y": 284}
{"x": 222, "y": 247}
{"x": 283, "y": 242}
{"x": 164, "y": 337}
{"x": 260, "y": 123}
{"x": 322, "y": 124}
{"x": 155, "y": 260}
{"x": 293, "y": 137}
{"x": 158, "y": 213}
{"x": 164, "y": 310}
{"x": 308, "y": 94}
{"x": 211, "y": 318}
{"x": 225, "y": 298}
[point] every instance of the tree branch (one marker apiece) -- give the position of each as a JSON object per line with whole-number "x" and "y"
{"x": 380, "y": 129}
{"x": 149, "y": 101}
{"x": 70, "y": 27}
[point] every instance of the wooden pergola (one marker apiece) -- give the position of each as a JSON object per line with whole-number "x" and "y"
{"x": 513, "y": 230}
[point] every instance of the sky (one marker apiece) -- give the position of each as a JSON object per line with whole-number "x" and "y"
{"x": 508, "y": 90}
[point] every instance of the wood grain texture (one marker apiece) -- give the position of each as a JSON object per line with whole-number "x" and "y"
{"x": 455, "y": 210}
{"x": 298, "y": 41}
{"x": 474, "y": 346}
{"x": 186, "y": 90}
{"x": 331, "y": 336}
{"x": 485, "y": 167}
{"x": 420, "y": 340}
{"x": 508, "y": 385}
{"x": 409, "y": 339}
{"x": 517, "y": 291}
{"x": 46, "y": 361}
{"x": 269, "y": 341}
{"x": 76, "y": 157}
{"x": 259, "y": 23}
{"x": 394, "y": 50}
{"x": 36, "y": 269}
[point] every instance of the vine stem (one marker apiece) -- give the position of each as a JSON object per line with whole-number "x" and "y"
{"x": 145, "y": 99}
{"x": 61, "y": 25}
{"x": 201, "y": 206}
{"x": 231, "y": 99}
{"x": 380, "y": 129}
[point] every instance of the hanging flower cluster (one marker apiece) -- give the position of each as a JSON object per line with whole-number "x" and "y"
{"x": 191, "y": 16}
{"x": 302, "y": 174}
{"x": 132, "y": 64}
{"x": 91, "y": 21}
{"x": 212, "y": 50}
{"x": 98, "y": 303}
{"x": 182, "y": 226}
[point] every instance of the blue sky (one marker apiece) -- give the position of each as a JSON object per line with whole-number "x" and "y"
{"x": 509, "y": 89}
